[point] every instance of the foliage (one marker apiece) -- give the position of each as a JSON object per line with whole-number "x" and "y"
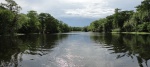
{"x": 11, "y": 21}
{"x": 125, "y": 21}
{"x": 63, "y": 27}
{"x": 33, "y": 23}
{"x": 85, "y": 29}
{"x": 98, "y": 25}
{"x": 5, "y": 23}
{"x": 148, "y": 27}
{"x": 11, "y": 10}
{"x": 76, "y": 28}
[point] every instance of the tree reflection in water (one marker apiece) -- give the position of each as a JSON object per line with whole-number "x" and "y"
{"x": 126, "y": 45}
{"x": 12, "y": 48}
{"x": 17, "y": 50}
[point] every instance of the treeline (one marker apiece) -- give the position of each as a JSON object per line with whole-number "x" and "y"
{"x": 125, "y": 21}
{"x": 76, "y": 28}
{"x": 12, "y": 21}
{"x": 79, "y": 29}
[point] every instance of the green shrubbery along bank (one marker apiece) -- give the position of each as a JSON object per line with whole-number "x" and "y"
{"x": 125, "y": 21}
{"x": 12, "y": 21}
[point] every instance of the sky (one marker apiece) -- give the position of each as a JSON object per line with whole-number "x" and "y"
{"x": 77, "y": 13}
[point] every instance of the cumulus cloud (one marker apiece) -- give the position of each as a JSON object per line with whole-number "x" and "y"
{"x": 84, "y": 8}
{"x": 91, "y": 10}
{"x": 99, "y": 8}
{"x": 66, "y": 9}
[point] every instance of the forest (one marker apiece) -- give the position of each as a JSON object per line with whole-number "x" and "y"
{"x": 124, "y": 20}
{"x": 12, "y": 21}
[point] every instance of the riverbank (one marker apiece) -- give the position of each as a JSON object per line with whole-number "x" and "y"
{"x": 132, "y": 32}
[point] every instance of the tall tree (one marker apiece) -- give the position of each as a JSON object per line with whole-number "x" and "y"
{"x": 33, "y": 23}
{"x": 43, "y": 18}
{"x": 5, "y": 21}
{"x": 115, "y": 22}
{"x": 11, "y": 7}
{"x": 51, "y": 26}
{"x": 144, "y": 10}
{"x": 23, "y": 23}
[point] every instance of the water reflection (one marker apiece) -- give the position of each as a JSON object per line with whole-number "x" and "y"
{"x": 12, "y": 49}
{"x": 126, "y": 45}
{"x": 76, "y": 49}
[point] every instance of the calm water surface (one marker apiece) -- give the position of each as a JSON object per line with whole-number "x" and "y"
{"x": 75, "y": 49}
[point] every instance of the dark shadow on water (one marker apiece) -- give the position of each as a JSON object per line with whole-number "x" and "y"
{"x": 133, "y": 47}
{"x": 12, "y": 48}
{"x": 126, "y": 45}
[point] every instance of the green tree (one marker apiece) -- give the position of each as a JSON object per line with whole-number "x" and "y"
{"x": 5, "y": 21}
{"x": 76, "y": 28}
{"x": 115, "y": 21}
{"x": 95, "y": 27}
{"x": 63, "y": 27}
{"x": 43, "y": 18}
{"x": 123, "y": 17}
{"x": 51, "y": 26}
{"x": 23, "y": 23}
{"x": 85, "y": 29}
{"x": 13, "y": 9}
{"x": 109, "y": 23}
{"x": 33, "y": 22}
{"x": 144, "y": 10}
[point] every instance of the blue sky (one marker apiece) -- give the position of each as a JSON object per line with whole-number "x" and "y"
{"x": 77, "y": 12}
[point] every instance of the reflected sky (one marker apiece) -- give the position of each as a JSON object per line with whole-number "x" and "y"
{"x": 75, "y": 49}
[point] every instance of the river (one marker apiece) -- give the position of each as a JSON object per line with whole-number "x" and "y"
{"x": 75, "y": 49}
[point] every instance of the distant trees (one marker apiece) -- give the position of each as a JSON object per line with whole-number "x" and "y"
{"x": 76, "y": 28}
{"x": 12, "y": 21}
{"x": 125, "y": 21}
{"x": 62, "y": 27}
{"x": 85, "y": 29}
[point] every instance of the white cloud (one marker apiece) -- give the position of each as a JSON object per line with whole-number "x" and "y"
{"x": 77, "y": 10}
{"x": 97, "y": 9}
{"x": 81, "y": 8}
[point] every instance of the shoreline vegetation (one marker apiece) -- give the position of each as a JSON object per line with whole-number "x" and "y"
{"x": 127, "y": 21}
{"x": 13, "y": 22}
{"x": 131, "y": 32}
{"x": 141, "y": 33}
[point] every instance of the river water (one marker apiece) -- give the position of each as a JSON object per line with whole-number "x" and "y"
{"x": 75, "y": 49}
